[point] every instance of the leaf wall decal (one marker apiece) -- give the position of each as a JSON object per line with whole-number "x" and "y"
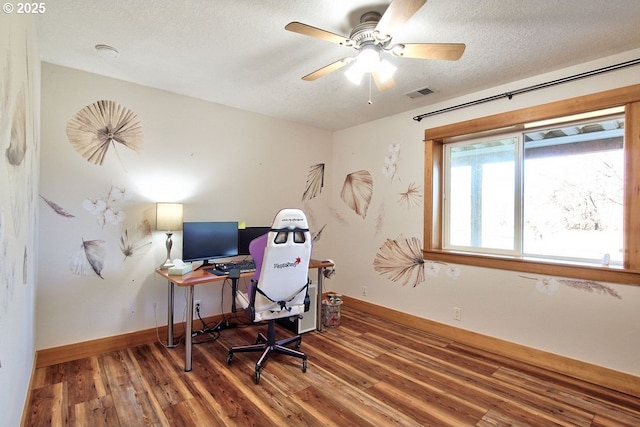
{"x": 89, "y": 259}
{"x": 315, "y": 182}
{"x": 401, "y": 259}
{"x": 97, "y": 126}
{"x": 357, "y": 191}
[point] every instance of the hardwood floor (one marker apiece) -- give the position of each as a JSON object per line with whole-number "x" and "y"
{"x": 366, "y": 372}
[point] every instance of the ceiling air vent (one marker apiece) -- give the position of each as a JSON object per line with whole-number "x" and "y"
{"x": 419, "y": 93}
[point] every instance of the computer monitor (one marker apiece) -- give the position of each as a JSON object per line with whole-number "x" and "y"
{"x": 204, "y": 241}
{"x": 246, "y": 235}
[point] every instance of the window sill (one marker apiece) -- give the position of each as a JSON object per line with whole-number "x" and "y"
{"x": 544, "y": 267}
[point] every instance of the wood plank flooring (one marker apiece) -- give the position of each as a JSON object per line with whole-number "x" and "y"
{"x": 366, "y": 372}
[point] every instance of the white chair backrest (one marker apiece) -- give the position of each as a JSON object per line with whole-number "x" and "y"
{"x": 285, "y": 265}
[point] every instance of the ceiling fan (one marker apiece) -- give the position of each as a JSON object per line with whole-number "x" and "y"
{"x": 372, "y": 37}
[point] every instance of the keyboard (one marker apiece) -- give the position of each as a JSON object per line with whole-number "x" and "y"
{"x": 246, "y": 266}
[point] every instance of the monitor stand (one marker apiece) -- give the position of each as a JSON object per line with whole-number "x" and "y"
{"x": 205, "y": 263}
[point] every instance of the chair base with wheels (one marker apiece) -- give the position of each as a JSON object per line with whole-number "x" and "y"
{"x": 268, "y": 345}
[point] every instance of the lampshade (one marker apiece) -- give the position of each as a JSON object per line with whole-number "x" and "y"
{"x": 169, "y": 216}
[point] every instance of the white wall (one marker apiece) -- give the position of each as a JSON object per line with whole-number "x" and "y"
{"x": 587, "y": 326}
{"x": 224, "y": 164}
{"x": 19, "y": 146}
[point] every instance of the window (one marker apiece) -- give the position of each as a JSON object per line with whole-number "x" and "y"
{"x": 558, "y": 199}
{"x": 561, "y": 198}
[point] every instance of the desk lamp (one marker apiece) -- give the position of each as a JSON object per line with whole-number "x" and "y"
{"x": 169, "y": 218}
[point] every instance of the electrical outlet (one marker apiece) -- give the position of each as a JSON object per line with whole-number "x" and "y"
{"x": 364, "y": 291}
{"x": 457, "y": 313}
{"x": 197, "y": 306}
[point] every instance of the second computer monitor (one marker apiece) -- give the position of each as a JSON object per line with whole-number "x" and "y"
{"x": 246, "y": 235}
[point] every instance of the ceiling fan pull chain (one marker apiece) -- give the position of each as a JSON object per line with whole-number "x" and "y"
{"x": 370, "y": 102}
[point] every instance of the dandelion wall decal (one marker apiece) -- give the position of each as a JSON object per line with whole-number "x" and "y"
{"x": 316, "y": 236}
{"x": 99, "y": 125}
{"x": 131, "y": 242}
{"x": 410, "y": 198}
{"x": 401, "y": 260}
{"x": 357, "y": 191}
{"x": 315, "y": 182}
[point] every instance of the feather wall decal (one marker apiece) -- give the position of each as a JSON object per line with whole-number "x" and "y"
{"x": 17, "y": 149}
{"x": 315, "y": 182}
{"x": 132, "y": 242}
{"x": 549, "y": 286}
{"x": 357, "y": 191}
{"x": 401, "y": 260}
{"x": 57, "y": 208}
{"x": 99, "y": 125}
{"x": 590, "y": 286}
{"x": 89, "y": 259}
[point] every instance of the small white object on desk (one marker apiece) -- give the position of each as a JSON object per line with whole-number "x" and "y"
{"x": 179, "y": 268}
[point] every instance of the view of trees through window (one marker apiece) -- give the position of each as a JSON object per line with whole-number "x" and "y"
{"x": 555, "y": 192}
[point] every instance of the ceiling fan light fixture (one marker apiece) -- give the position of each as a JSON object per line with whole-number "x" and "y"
{"x": 369, "y": 58}
{"x": 354, "y": 73}
{"x": 386, "y": 70}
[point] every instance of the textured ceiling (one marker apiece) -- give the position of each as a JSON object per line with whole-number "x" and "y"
{"x": 237, "y": 52}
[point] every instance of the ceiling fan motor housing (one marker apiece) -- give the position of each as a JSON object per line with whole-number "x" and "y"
{"x": 365, "y": 32}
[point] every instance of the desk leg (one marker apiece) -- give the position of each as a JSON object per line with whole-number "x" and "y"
{"x": 170, "y": 342}
{"x": 188, "y": 330}
{"x": 319, "y": 300}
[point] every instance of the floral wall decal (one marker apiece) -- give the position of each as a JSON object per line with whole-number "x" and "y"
{"x": 315, "y": 182}
{"x": 357, "y": 191}
{"x": 107, "y": 210}
{"x": 132, "y": 241}
{"x": 88, "y": 260}
{"x": 391, "y": 161}
{"x": 98, "y": 126}
{"x": 550, "y": 285}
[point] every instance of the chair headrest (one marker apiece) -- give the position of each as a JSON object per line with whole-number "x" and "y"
{"x": 290, "y": 218}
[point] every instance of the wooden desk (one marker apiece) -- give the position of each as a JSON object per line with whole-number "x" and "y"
{"x": 203, "y": 277}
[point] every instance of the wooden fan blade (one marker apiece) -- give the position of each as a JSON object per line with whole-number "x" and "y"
{"x": 308, "y": 30}
{"x": 445, "y": 51}
{"x": 328, "y": 69}
{"x": 398, "y": 12}
{"x": 382, "y": 85}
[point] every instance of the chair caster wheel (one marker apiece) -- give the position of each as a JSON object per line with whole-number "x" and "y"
{"x": 257, "y": 377}
{"x": 229, "y": 358}
{"x": 304, "y": 365}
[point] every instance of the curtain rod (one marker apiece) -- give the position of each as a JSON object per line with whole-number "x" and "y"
{"x": 511, "y": 94}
